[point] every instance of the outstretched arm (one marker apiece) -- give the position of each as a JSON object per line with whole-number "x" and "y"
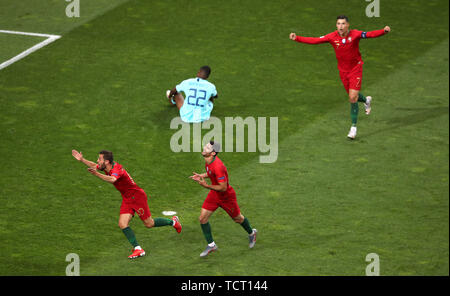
{"x": 106, "y": 178}
{"x": 308, "y": 40}
{"x": 376, "y": 33}
{"x": 78, "y": 156}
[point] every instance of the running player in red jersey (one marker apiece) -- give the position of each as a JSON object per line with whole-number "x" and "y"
{"x": 134, "y": 199}
{"x": 346, "y": 45}
{"x": 221, "y": 194}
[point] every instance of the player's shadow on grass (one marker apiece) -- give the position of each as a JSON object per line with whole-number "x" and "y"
{"x": 419, "y": 115}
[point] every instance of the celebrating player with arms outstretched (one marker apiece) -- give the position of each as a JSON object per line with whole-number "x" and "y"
{"x": 221, "y": 194}
{"x": 134, "y": 198}
{"x": 346, "y": 46}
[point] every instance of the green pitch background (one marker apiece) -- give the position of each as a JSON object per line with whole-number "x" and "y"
{"x": 320, "y": 208}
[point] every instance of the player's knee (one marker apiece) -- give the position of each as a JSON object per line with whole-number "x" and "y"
{"x": 203, "y": 220}
{"x": 149, "y": 223}
{"x": 123, "y": 225}
{"x": 238, "y": 219}
{"x": 353, "y": 98}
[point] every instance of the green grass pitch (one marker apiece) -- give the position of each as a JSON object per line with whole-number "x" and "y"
{"x": 324, "y": 204}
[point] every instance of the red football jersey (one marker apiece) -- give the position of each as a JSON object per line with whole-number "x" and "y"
{"x": 346, "y": 48}
{"x": 124, "y": 183}
{"x": 217, "y": 173}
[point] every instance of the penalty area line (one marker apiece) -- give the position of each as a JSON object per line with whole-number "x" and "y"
{"x": 50, "y": 39}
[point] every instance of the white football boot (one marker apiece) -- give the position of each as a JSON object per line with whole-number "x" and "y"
{"x": 171, "y": 99}
{"x": 252, "y": 238}
{"x": 208, "y": 250}
{"x": 367, "y": 104}
{"x": 352, "y": 133}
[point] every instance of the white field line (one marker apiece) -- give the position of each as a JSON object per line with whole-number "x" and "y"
{"x": 50, "y": 39}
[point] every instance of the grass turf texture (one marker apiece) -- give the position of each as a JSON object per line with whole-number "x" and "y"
{"x": 320, "y": 209}
{"x": 13, "y": 44}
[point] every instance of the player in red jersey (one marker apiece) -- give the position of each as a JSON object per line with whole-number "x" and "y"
{"x": 221, "y": 194}
{"x": 134, "y": 199}
{"x": 346, "y": 45}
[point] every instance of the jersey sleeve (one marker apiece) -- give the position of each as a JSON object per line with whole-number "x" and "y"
{"x": 116, "y": 173}
{"x": 221, "y": 174}
{"x": 213, "y": 90}
{"x": 182, "y": 86}
{"x": 372, "y": 34}
{"x": 312, "y": 40}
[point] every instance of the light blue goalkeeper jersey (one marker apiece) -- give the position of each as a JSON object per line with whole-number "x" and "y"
{"x": 197, "y": 107}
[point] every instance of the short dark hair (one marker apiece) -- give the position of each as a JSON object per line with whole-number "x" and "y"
{"x": 107, "y": 155}
{"x": 206, "y": 70}
{"x": 215, "y": 146}
{"x": 342, "y": 17}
